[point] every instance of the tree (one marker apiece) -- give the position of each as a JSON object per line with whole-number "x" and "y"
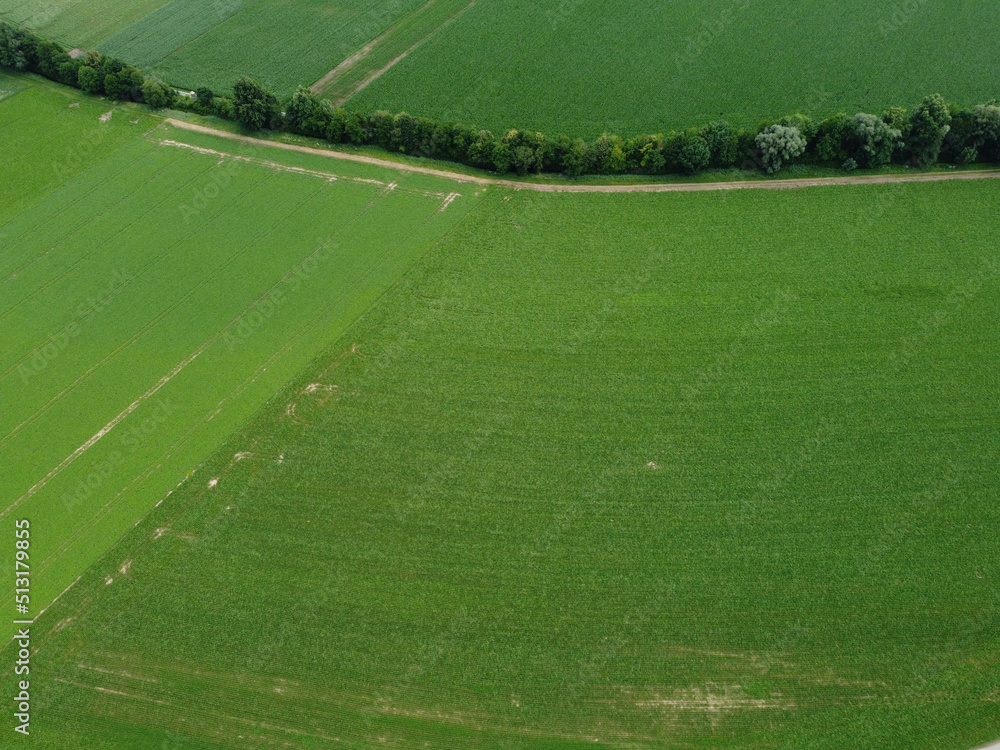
{"x": 987, "y": 118}
{"x": 115, "y": 86}
{"x": 89, "y": 80}
{"x": 381, "y": 124}
{"x": 723, "y": 145}
{"x": 69, "y": 71}
{"x": 875, "y": 140}
{"x": 50, "y": 57}
{"x": 13, "y": 49}
{"x": 307, "y": 114}
{"x": 806, "y": 125}
{"x": 501, "y": 157}
{"x": 607, "y": 155}
{"x": 203, "y": 98}
{"x": 778, "y": 144}
{"x": 929, "y": 125}
{"x": 833, "y": 138}
{"x": 354, "y": 129}
{"x": 404, "y": 129}
{"x": 223, "y": 107}
{"x": 574, "y": 159}
{"x": 256, "y": 107}
{"x": 693, "y": 154}
{"x": 156, "y": 94}
{"x": 481, "y": 149}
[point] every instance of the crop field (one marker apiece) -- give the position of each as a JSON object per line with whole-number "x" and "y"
{"x": 701, "y": 470}
{"x": 575, "y": 67}
{"x": 155, "y": 291}
{"x": 193, "y": 43}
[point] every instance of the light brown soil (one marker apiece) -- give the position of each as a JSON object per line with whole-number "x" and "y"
{"x": 655, "y": 187}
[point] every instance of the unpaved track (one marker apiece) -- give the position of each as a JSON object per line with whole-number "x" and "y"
{"x": 347, "y": 64}
{"x": 655, "y": 187}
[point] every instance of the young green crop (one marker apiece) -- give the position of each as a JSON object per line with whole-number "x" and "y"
{"x": 157, "y": 291}
{"x": 707, "y": 469}
{"x": 583, "y": 67}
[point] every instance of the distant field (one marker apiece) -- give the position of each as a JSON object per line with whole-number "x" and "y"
{"x": 691, "y": 470}
{"x": 583, "y": 67}
{"x": 212, "y": 42}
{"x": 154, "y": 293}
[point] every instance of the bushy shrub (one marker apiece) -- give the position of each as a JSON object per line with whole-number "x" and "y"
{"x": 89, "y": 80}
{"x": 255, "y": 106}
{"x": 875, "y": 141}
{"x": 16, "y": 47}
{"x": 779, "y": 144}
{"x": 693, "y": 154}
{"x": 158, "y": 95}
{"x": 723, "y": 144}
{"x": 929, "y": 125}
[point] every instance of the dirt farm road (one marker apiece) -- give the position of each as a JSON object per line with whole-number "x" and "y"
{"x": 654, "y": 187}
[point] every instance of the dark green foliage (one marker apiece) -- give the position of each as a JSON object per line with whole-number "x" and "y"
{"x": 89, "y": 80}
{"x": 15, "y": 47}
{"x": 307, "y": 114}
{"x": 157, "y": 95}
{"x": 607, "y": 156}
{"x": 203, "y": 103}
{"x": 574, "y": 157}
{"x": 223, "y": 107}
{"x": 934, "y": 131}
{"x": 723, "y": 144}
{"x": 480, "y": 152}
{"x": 403, "y": 132}
{"x": 973, "y": 133}
{"x": 255, "y": 106}
{"x": 694, "y": 154}
{"x": 125, "y": 84}
{"x": 355, "y": 130}
{"x": 833, "y": 138}
{"x": 929, "y": 125}
{"x": 69, "y": 72}
{"x": 50, "y": 57}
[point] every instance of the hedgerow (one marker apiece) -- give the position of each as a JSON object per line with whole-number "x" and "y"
{"x": 934, "y": 132}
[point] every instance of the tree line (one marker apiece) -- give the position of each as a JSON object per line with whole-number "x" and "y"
{"x": 935, "y": 131}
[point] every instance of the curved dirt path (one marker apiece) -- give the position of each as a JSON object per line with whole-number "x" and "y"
{"x": 655, "y": 187}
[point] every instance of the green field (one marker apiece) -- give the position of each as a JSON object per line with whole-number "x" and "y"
{"x": 578, "y": 67}
{"x": 559, "y": 66}
{"x": 155, "y": 292}
{"x": 640, "y": 471}
{"x": 210, "y": 43}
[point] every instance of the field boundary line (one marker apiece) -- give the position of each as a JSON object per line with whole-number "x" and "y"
{"x": 361, "y": 54}
{"x": 648, "y": 187}
{"x": 104, "y": 430}
{"x": 372, "y": 77}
